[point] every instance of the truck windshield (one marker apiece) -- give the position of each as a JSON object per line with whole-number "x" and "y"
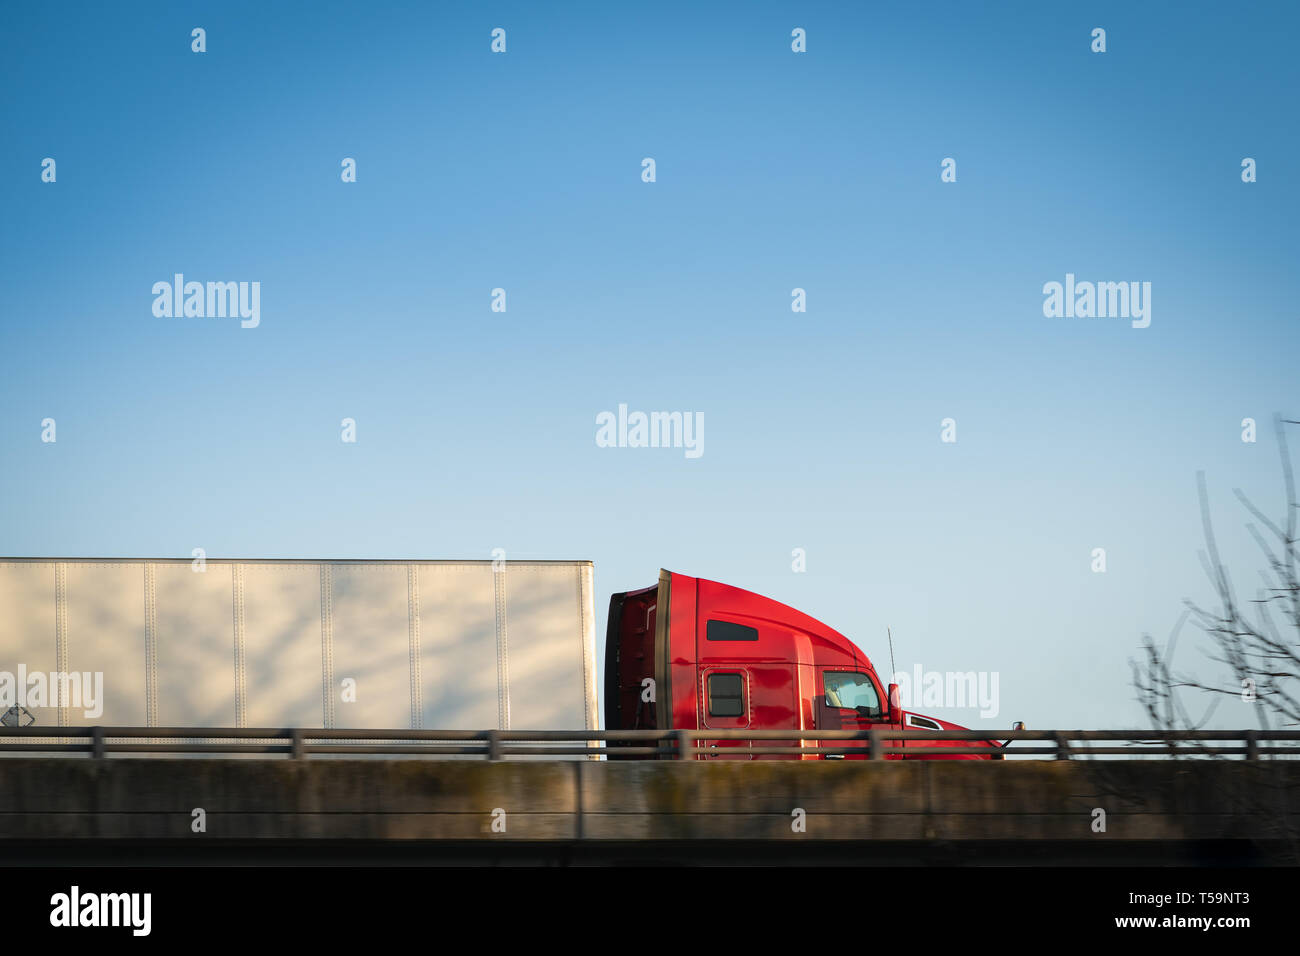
{"x": 849, "y": 690}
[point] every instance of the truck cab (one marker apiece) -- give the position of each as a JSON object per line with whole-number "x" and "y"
{"x": 693, "y": 654}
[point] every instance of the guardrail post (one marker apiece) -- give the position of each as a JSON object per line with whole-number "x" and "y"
{"x": 494, "y": 745}
{"x": 1252, "y": 745}
{"x": 684, "y": 745}
{"x": 299, "y": 746}
{"x": 877, "y": 745}
{"x": 97, "y": 742}
{"x": 1062, "y": 747}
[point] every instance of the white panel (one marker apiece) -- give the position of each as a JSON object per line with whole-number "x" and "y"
{"x": 586, "y": 574}
{"x": 371, "y": 645}
{"x": 548, "y": 689}
{"x": 106, "y": 635}
{"x": 458, "y": 667}
{"x": 282, "y": 645}
{"x": 548, "y": 638}
{"x": 196, "y": 670}
{"x": 27, "y": 627}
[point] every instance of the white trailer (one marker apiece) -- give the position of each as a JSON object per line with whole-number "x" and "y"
{"x": 454, "y": 645}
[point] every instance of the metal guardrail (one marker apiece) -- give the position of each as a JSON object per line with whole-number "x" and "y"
{"x": 300, "y": 742}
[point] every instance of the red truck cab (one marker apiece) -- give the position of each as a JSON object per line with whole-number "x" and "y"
{"x": 698, "y": 655}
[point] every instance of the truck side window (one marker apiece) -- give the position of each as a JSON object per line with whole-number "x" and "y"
{"x": 729, "y": 631}
{"x": 726, "y": 695}
{"x": 849, "y": 690}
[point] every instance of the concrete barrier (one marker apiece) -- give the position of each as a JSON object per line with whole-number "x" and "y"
{"x": 905, "y": 802}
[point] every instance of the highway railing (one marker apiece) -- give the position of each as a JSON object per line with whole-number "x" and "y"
{"x": 300, "y": 742}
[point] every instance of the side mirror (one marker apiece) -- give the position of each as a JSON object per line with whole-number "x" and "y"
{"x": 1018, "y": 725}
{"x": 895, "y": 711}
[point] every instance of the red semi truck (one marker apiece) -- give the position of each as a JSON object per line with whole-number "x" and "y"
{"x": 691, "y": 654}
{"x": 453, "y": 645}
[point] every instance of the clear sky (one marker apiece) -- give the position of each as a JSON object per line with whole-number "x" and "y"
{"x": 775, "y": 170}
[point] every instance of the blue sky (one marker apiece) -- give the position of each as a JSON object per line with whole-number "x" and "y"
{"x": 775, "y": 170}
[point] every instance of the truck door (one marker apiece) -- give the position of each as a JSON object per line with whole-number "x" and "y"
{"x": 725, "y": 704}
{"x": 850, "y": 700}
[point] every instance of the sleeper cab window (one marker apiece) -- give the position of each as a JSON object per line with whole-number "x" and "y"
{"x": 726, "y": 695}
{"x": 727, "y": 631}
{"x": 849, "y": 690}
